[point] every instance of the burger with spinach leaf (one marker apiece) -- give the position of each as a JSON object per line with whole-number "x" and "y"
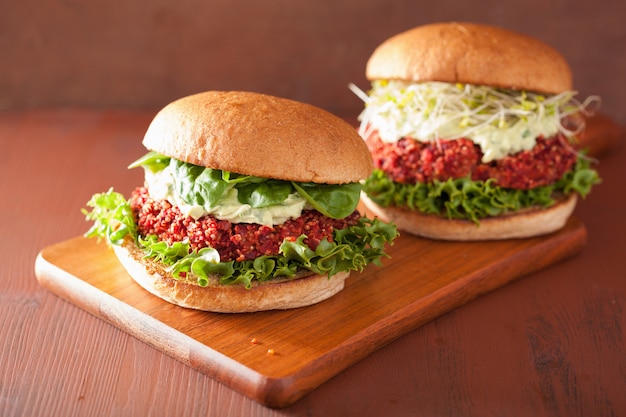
{"x": 249, "y": 204}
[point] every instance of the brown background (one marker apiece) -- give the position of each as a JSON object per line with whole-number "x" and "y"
{"x": 144, "y": 53}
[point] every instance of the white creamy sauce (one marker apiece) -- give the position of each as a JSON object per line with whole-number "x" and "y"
{"x": 495, "y": 142}
{"x": 161, "y": 187}
{"x": 393, "y": 111}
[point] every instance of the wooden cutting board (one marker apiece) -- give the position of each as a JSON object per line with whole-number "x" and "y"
{"x": 277, "y": 357}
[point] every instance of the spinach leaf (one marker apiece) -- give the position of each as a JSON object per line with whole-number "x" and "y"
{"x": 202, "y": 186}
{"x": 153, "y": 161}
{"x": 198, "y": 185}
{"x": 264, "y": 194}
{"x": 332, "y": 200}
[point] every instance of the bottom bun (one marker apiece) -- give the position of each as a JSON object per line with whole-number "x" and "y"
{"x": 277, "y": 294}
{"x": 521, "y": 224}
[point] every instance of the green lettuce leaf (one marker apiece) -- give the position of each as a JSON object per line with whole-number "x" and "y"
{"x": 153, "y": 161}
{"x": 332, "y": 200}
{"x": 112, "y": 217}
{"x": 197, "y": 185}
{"x": 353, "y": 248}
{"x": 264, "y": 194}
{"x": 206, "y": 187}
{"x": 464, "y": 198}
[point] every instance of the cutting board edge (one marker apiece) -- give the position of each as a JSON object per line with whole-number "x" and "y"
{"x": 564, "y": 247}
{"x": 153, "y": 332}
{"x": 280, "y": 391}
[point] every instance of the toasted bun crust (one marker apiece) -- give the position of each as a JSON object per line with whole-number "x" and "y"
{"x": 256, "y": 134}
{"x": 473, "y": 54}
{"x": 278, "y": 294}
{"x": 525, "y": 223}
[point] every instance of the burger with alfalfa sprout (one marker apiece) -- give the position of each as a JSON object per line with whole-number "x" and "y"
{"x": 249, "y": 204}
{"x": 472, "y": 130}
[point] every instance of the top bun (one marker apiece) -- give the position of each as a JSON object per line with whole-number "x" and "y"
{"x": 471, "y": 54}
{"x": 260, "y": 135}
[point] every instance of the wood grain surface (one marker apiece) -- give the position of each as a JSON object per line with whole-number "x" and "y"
{"x": 549, "y": 344}
{"x": 422, "y": 280}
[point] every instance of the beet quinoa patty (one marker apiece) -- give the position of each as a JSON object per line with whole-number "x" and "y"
{"x": 410, "y": 161}
{"x": 233, "y": 241}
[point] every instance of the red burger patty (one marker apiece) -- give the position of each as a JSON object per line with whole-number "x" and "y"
{"x": 410, "y": 161}
{"x": 233, "y": 241}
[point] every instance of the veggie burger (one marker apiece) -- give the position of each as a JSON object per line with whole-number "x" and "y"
{"x": 472, "y": 131}
{"x": 249, "y": 204}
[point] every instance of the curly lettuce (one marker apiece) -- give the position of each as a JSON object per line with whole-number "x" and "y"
{"x": 465, "y": 199}
{"x": 112, "y": 217}
{"x": 352, "y": 248}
